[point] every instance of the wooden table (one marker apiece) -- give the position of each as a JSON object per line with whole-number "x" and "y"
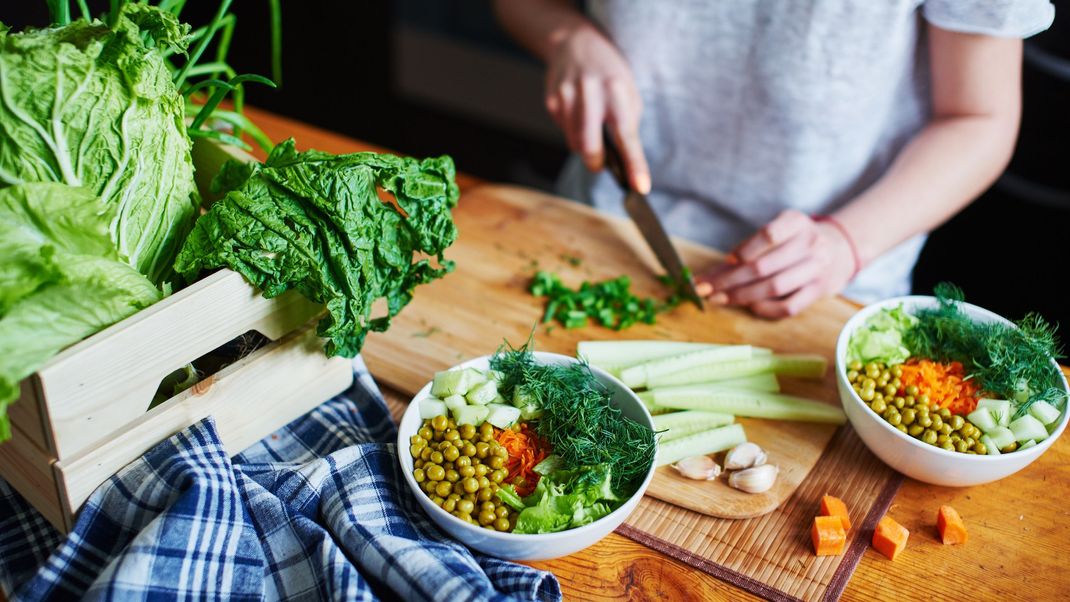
{"x": 1022, "y": 519}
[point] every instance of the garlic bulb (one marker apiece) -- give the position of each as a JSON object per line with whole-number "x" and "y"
{"x": 700, "y": 468}
{"x": 744, "y": 455}
{"x": 754, "y": 480}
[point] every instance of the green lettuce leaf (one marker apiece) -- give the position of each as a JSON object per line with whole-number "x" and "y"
{"x": 61, "y": 278}
{"x": 564, "y": 499}
{"x": 92, "y": 106}
{"x": 880, "y": 338}
{"x": 314, "y": 222}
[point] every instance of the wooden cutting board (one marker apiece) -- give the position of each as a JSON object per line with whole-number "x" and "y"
{"x": 506, "y": 234}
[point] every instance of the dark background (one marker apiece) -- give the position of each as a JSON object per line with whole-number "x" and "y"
{"x": 427, "y": 77}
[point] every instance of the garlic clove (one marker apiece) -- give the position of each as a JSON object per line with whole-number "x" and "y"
{"x": 744, "y": 455}
{"x": 754, "y": 480}
{"x": 700, "y": 468}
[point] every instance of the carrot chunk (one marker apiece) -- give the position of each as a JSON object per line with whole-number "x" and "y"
{"x": 890, "y": 538}
{"x": 828, "y": 535}
{"x": 952, "y": 529}
{"x": 834, "y": 506}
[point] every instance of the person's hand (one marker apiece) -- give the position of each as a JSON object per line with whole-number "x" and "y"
{"x": 790, "y": 263}
{"x": 588, "y": 83}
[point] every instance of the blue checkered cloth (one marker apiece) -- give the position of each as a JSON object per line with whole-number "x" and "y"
{"x": 317, "y": 510}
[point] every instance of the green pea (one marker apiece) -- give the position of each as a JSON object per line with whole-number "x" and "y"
{"x": 961, "y": 447}
{"x": 912, "y": 390}
{"x": 451, "y": 435}
{"x": 435, "y": 472}
{"x": 956, "y": 422}
{"x": 418, "y": 474}
{"x": 436, "y": 457}
{"x": 465, "y": 506}
{"x": 451, "y": 454}
{"x": 453, "y": 476}
{"x": 896, "y": 383}
{"x": 902, "y": 428}
{"x": 937, "y": 421}
{"x": 444, "y": 488}
{"x": 949, "y": 446}
{"x": 439, "y": 423}
{"x": 924, "y": 420}
{"x": 923, "y": 398}
{"x": 929, "y": 436}
{"x": 915, "y": 429}
{"x": 895, "y": 419}
{"x": 449, "y": 505}
{"x": 470, "y": 485}
{"x": 908, "y": 416}
{"x": 467, "y": 471}
{"x": 897, "y": 371}
{"x": 945, "y": 428}
{"x": 942, "y": 438}
{"x": 979, "y": 448}
{"x": 878, "y": 406}
{"x": 911, "y": 401}
{"x": 852, "y": 375}
{"x": 855, "y": 365}
{"x": 900, "y": 403}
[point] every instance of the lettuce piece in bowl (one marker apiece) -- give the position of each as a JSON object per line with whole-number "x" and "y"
{"x": 880, "y": 338}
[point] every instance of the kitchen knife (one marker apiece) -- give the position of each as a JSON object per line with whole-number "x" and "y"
{"x": 638, "y": 207}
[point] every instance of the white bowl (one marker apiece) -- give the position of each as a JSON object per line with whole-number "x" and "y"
{"x": 513, "y": 546}
{"x": 908, "y": 455}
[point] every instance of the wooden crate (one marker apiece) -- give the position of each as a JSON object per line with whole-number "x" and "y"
{"x": 83, "y": 415}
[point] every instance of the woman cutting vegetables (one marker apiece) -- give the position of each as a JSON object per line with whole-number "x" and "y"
{"x": 821, "y": 140}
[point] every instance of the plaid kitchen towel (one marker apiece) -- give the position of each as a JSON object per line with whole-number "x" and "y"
{"x": 317, "y": 510}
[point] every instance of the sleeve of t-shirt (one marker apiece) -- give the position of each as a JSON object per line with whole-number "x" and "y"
{"x": 1002, "y": 18}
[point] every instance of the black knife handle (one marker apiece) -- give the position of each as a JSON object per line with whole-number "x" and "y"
{"x": 614, "y": 160}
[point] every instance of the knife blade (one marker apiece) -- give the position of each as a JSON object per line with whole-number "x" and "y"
{"x": 650, "y": 226}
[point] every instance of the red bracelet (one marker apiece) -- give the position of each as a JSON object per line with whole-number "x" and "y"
{"x": 828, "y": 219}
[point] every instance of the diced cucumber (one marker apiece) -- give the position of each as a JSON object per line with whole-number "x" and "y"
{"x": 983, "y": 419}
{"x": 431, "y": 407}
{"x": 454, "y": 402}
{"x": 1044, "y": 412}
{"x": 689, "y": 422}
{"x": 456, "y": 382}
{"x": 755, "y": 404}
{"x": 1001, "y": 436}
{"x": 530, "y": 412}
{"x": 474, "y": 415}
{"x": 483, "y": 393}
{"x": 522, "y": 397}
{"x": 1027, "y": 427}
{"x": 1000, "y": 408}
{"x": 639, "y": 375}
{"x": 701, "y": 444}
{"x": 1027, "y": 445}
{"x": 502, "y": 416}
{"x": 990, "y": 445}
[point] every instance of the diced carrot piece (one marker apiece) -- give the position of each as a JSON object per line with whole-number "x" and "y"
{"x": 952, "y": 529}
{"x": 890, "y": 538}
{"x": 828, "y": 535}
{"x": 834, "y": 506}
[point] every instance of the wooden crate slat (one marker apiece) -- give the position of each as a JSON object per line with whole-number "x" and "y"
{"x": 107, "y": 381}
{"x": 248, "y": 399}
{"x": 28, "y": 469}
{"x": 26, "y": 414}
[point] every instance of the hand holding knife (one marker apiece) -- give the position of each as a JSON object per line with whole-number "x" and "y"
{"x": 638, "y": 207}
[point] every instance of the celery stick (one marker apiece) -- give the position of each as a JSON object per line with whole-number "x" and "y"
{"x": 630, "y": 353}
{"x": 681, "y": 424}
{"x": 639, "y": 375}
{"x": 808, "y": 366}
{"x": 755, "y": 404}
{"x": 701, "y": 444}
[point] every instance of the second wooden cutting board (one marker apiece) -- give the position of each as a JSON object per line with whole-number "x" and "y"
{"x": 506, "y": 234}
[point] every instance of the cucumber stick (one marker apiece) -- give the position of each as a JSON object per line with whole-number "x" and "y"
{"x": 806, "y": 366}
{"x": 647, "y": 397}
{"x": 640, "y": 375}
{"x": 700, "y": 444}
{"x": 754, "y": 404}
{"x": 630, "y": 353}
{"x": 689, "y": 422}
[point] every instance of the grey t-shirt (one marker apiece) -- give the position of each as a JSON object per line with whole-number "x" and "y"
{"x": 755, "y": 106}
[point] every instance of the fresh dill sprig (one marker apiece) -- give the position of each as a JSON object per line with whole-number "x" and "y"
{"x": 1014, "y": 363}
{"x": 577, "y": 420}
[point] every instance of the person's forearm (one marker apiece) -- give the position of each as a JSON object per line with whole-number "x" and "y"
{"x": 944, "y": 168}
{"x": 539, "y": 25}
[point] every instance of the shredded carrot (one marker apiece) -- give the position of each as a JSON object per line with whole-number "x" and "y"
{"x": 526, "y": 450}
{"x": 945, "y": 384}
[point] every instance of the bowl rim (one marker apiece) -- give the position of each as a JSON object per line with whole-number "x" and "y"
{"x": 403, "y": 446}
{"x": 912, "y": 301}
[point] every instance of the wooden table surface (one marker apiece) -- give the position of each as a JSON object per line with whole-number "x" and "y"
{"x": 1018, "y": 526}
